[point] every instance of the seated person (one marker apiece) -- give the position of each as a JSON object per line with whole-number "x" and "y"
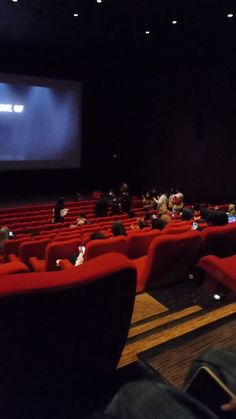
{"x": 4, "y": 235}
{"x": 166, "y": 218}
{"x": 78, "y": 258}
{"x": 187, "y": 214}
{"x": 118, "y": 229}
{"x": 148, "y": 202}
{"x": 81, "y": 220}
{"x": 59, "y": 212}
{"x": 158, "y": 224}
{"x": 113, "y": 202}
{"x": 161, "y": 202}
{"x": 101, "y": 207}
{"x": 154, "y": 399}
{"x": 231, "y": 209}
{"x": 216, "y": 218}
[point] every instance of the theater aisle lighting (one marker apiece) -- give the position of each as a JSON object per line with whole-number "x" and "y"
{"x": 230, "y": 15}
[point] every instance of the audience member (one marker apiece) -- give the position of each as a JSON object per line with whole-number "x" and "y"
{"x": 4, "y": 235}
{"x": 81, "y": 220}
{"x": 59, "y": 212}
{"x": 101, "y": 206}
{"x": 187, "y": 214}
{"x": 217, "y": 218}
{"x": 161, "y": 202}
{"x": 151, "y": 399}
{"x": 231, "y": 209}
{"x": 125, "y": 198}
{"x": 118, "y": 229}
{"x": 166, "y": 218}
{"x": 158, "y": 224}
{"x": 148, "y": 202}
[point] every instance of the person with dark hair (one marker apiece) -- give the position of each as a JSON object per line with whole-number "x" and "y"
{"x": 125, "y": 201}
{"x": 148, "y": 202}
{"x": 113, "y": 202}
{"x": 101, "y": 206}
{"x": 217, "y": 218}
{"x": 81, "y": 220}
{"x": 143, "y": 224}
{"x": 118, "y": 229}
{"x": 187, "y": 214}
{"x": 59, "y": 212}
{"x": 158, "y": 224}
{"x": 97, "y": 235}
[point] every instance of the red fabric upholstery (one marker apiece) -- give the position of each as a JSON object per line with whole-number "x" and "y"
{"x": 219, "y": 241}
{"x": 12, "y": 246}
{"x": 62, "y": 333}
{"x": 13, "y": 268}
{"x": 33, "y": 248}
{"x": 98, "y": 247}
{"x": 54, "y": 251}
{"x": 138, "y": 242}
{"x": 170, "y": 259}
{"x": 176, "y": 230}
{"x": 218, "y": 270}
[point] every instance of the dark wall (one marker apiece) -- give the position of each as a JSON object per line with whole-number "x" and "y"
{"x": 167, "y": 113}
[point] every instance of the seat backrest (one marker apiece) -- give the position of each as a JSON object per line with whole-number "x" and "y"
{"x": 98, "y": 247}
{"x": 138, "y": 242}
{"x": 219, "y": 241}
{"x": 12, "y": 246}
{"x": 170, "y": 258}
{"x": 177, "y": 230}
{"x": 62, "y": 332}
{"x": 33, "y": 248}
{"x": 60, "y": 250}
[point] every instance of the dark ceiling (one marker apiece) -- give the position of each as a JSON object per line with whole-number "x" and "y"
{"x": 117, "y": 23}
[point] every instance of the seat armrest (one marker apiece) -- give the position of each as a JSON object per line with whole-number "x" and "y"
{"x": 66, "y": 264}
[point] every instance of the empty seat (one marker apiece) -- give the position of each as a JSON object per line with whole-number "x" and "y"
{"x": 219, "y": 241}
{"x": 98, "y": 247}
{"x": 218, "y": 272}
{"x": 138, "y": 242}
{"x": 170, "y": 259}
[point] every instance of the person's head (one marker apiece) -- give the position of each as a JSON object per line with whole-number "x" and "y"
{"x": 204, "y": 212}
{"x": 82, "y": 215}
{"x": 118, "y": 229}
{"x": 231, "y": 209}
{"x": 97, "y": 235}
{"x": 158, "y": 224}
{"x": 196, "y": 207}
{"x": 143, "y": 224}
{"x": 165, "y": 218}
{"x": 217, "y": 218}
{"x": 60, "y": 201}
{"x": 124, "y": 187}
{"x": 187, "y": 214}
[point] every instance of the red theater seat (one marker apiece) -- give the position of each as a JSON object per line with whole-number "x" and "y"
{"x": 219, "y": 241}
{"x": 218, "y": 271}
{"x": 170, "y": 259}
{"x": 54, "y": 251}
{"x": 33, "y": 248}
{"x": 62, "y": 334}
{"x": 138, "y": 242}
{"x": 13, "y": 268}
{"x": 98, "y": 247}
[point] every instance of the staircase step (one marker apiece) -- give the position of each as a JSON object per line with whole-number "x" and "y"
{"x": 146, "y": 306}
{"x": 131, "y": 350}
{"x": 169, "y": 317}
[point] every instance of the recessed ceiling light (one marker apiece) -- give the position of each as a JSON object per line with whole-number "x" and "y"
{"x": 230, "y": 15}
{"x": 147, "y": 32}
{"x": 174, "y": 22}
{"x": 99, "y": 1}
{"x": 76, "y": 14}
{"x": 14, "y": 1}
